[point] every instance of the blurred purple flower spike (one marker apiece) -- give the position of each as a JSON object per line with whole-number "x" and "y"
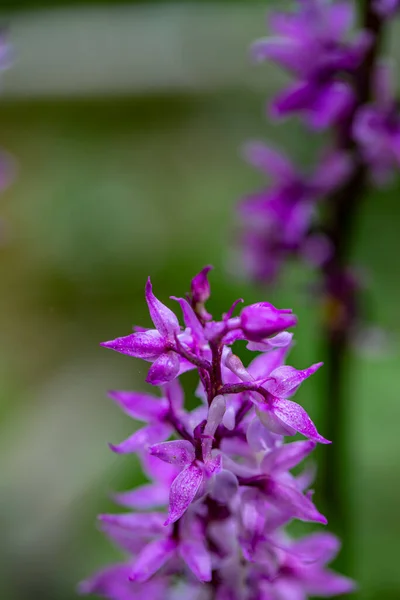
{"x": 311, "y": 44}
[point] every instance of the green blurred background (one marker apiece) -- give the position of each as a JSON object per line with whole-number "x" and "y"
{"x": 126, "y": 122}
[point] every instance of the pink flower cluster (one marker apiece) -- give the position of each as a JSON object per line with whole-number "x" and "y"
{"x": 210, "y": 523}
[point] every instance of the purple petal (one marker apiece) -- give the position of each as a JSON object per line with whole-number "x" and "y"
{"x": 285, "y": 380}
{"x": 294, "y": 416}
{"x": 318, "y": 547}
{"x": 262, "y": 366}
{"x": 330, "y": 104}
{"x": 191, "y": 320}
{"x": 298, "y": 96}
{"x": 149, "y": 495}
{"x": 200, "y": 286}
{"x": 262, "y": 320}
{"x": 140, "y": 523}
{"x": 234, "y": 364}
{"x": 158, "y": 471}
{"x": 259, "y": 437}
{"x": 214, "y": 418}
{"x": 229, "y": 418}
{"x": 163, "y": 318}
{"x": 215, "y": 415}
{"x": 332, "y": 172}
{"x": 146, "y": 344}
{"x": 175, "y": 394}
{"x": 270, "y": 161}
{"x": 128, "y": 540}
{"x": 138, "y": 405}
{"x": 290, "y": 498}
{"x": 271, "y": 421}
{"x": 327, "y": 583}
{"x": 285, "y": 52}
{"x": 281, "y": 340}
{"x": 287, "y": 456}
{"x": 213, "y": 466}
{"x": 224, "y": 486}
{"x": 183, "y": 491}
{"x": 197, "y": 558}
{"x": 306, "y": 477}
{"x": 339, "y": 18}
{"x": 152, "y": 558}
{"x": 176, "y": 452}
{"x": 111, "y": 582}
{"x": 142, "y": 438}
{"x": 164, "y": 369}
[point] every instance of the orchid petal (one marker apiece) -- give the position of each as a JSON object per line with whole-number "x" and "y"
{"x": 263, "y": 365}
{"x": 259, "y": 437}
{"x": 183, "y": 491}
{"x": 327, "y": 583}
{"x": 318, "y": 547}
{"x": 229, "y": 418}
{"x": 289, "y": 497}
{"x": 224, "y": 486}
{"x": 142, "y": 438}
{"x": 197, "y": 558}
{"x": 140, "y": 523}
{"x": 164, "y": 369}
{"x": 287, "y": 456}
{"x": 163, "y": 318}
{"x": 281, "y": 340}
{"x": 176, "y": 452}
{"x": 147, "y": 345}
{"x": 285, "y": 380}
{"x": 261, "y": 320}
{"x": 139, "y": 405}
{"x": 269, "y": 160}
{"x": 200, "y": 286}
{"x": 107, "y": 581}
{"x": 152, "y": 558}
{"x": 292, "y": 415}
{"x": 175, "y": 394}
{"x": 149, "y": 495}
{"x": 191, "y": 320}
{"x": 214, "y": 418}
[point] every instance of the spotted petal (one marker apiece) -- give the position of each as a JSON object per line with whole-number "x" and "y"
{"x": 183, "y": 491}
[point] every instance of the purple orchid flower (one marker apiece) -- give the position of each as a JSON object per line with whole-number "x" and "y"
{"x": 210, "y": 522}
{"x": 276, "y": 221}
{"x": 188, "y": 484}
{"x": 155, "y": 345}
{"x": 311, "y": 44}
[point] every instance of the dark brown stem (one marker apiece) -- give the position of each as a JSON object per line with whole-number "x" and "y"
{"x": 341, "y": 308}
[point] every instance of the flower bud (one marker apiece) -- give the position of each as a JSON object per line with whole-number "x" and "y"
{"x": 261, "y": 320}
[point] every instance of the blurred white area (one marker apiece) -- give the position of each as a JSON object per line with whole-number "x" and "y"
{"x": 135, "y": 49}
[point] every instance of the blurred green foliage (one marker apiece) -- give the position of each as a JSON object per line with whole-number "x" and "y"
{"x": 108, "y": 192}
